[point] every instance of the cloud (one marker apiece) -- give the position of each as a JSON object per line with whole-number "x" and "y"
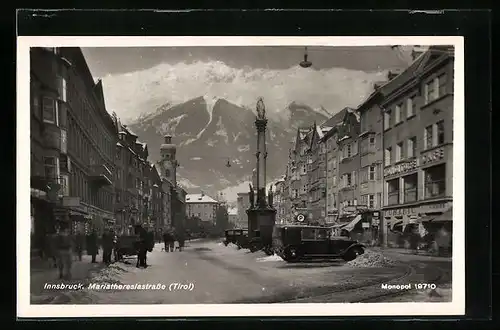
{"x": 142, "y": 92}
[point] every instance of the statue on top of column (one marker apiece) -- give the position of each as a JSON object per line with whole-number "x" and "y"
{"x": 270, "y": 196}
{"x": 251, "y": 196}
{"x": 261, "y": 109}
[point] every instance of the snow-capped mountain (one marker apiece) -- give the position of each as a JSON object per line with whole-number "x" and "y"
{"x": 210, "y": 131}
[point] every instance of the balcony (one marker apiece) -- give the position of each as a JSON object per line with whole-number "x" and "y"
{"x": 100, "y": 175}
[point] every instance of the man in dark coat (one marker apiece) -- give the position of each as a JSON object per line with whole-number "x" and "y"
{"x": 141, "y": 246}
{"x": 107, "y": 246}
{"x": 79, "y": 244}
{"x": 168, "y": 240}
{"x": 92, "y": 245}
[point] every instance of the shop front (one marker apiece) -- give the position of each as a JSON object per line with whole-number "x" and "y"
{"x": 42, "y": 220}
{"x": 420, "y": 225}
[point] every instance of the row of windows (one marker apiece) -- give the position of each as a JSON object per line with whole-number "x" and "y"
{"x": 405, "y": 189}
{"x": 80, "y": 186}
{"x": 407, "y": 109}
{"x": 434, "y": 135}
{"x": 82, "y": 109}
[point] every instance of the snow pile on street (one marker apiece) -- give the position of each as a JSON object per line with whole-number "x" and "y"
{"x": 274, "y": 257}
{"x": 371, "y": 259}
{"x": 108, "y": 274}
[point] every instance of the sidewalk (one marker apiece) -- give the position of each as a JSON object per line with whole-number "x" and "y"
{"x": 42, "y": 272}
{"x": 409, "y": 254}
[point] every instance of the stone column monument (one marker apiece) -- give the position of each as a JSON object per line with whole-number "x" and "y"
{"x": 261, "y": 215}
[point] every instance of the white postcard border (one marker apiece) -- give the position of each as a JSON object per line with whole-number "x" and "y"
{"x": 25, "y": 309}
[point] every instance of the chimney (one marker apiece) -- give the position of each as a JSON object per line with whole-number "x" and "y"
{"x": 168, "y": 139}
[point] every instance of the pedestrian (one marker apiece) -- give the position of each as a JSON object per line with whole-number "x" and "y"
{"x": 64, "y": 251}
{"x": 168, "y": 240}
{"x": 92, "y": 246}
{"x": 141, "y": 247}
{"x": 49, "y": 248}
{"x": 79, "y": 244}
{"x": 181, "y": 239}
{"x": 107, "y": 246}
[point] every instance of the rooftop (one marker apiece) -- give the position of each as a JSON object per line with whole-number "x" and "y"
{"x": 200, "y": 198}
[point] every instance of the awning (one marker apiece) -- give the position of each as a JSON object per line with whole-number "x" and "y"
{"x": 396, "y": 223}
{"x": 427, "y": 218}
{"x": 353, "y": 223}
{"x": 339, "y": 225}
{"x": 446, "y": 216}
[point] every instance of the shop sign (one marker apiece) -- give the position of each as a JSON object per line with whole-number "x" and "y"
{"x": 375, "y": 222}
{"x": 365, "y": 224}
{"x": 400, "y": 168}
{"x": 402, "y": 211}
{"x": 433, "y": 156}
{"x": 438, "y": 207}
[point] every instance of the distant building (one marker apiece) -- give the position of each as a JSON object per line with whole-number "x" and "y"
{"x": 201, "y": 206}
{"x": 233, "y": 216}
{"x": 243, "y": 204}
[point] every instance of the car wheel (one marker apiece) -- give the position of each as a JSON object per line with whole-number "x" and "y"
{"x": 291, "y": 255}
{"x": 226, "y": 243}
{"x": 238, "y": 247}
{"x": 253, "y": 248}
{"x": 268, "y": 251}
{"x": 353, "y": 254}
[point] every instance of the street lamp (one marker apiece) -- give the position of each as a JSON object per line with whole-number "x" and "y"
{"x": 305, "y": 63}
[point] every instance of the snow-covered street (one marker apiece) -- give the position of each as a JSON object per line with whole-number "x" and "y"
{"x": 209, "y": 272}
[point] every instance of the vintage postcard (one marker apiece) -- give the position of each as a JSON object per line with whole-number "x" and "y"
{"x": 240, "y": 176}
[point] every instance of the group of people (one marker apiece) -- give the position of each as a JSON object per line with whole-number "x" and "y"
{"x": 62, "y": 247}
{"x": 169, "y": 239}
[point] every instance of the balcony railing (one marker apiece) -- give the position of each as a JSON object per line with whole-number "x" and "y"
{"x": 101, "y": 175}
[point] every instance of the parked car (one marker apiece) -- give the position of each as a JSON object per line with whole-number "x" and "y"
{"x": 301, "y": 242}
{"x": 234, "y": 236}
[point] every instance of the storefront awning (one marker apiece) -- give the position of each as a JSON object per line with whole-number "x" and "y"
{"x": 446, "y": 216}
{"x": 350, "y": 225}
{"x": 396, "y": 223}
{"x": 427, "y": 218}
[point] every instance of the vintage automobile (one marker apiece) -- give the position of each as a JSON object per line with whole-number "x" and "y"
{"x": 301, "y": 242}
{"x": 236, "y": 235}
{"x": 126, "y": 246}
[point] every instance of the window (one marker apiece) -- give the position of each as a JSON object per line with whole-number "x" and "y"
{"x": 304, "y": 169}
{"x": 430, "y": 90}
{"x": 442, "y": 80}
{"x": 50, "y": 110}
{"x": 393, "y": 191}
{"x": 51, "y": 165}
{"x": 347, "y": 180}
{"x": 400, "y": 153}
{"x": 371, "y": 172}
{"x": 370, "y": 201}
{"x": 398, "y": 117}
{"x": 435, "y": 181}
{"x": 410, "y": 107}
{"x": 388, "y": 156}
{"x": 410, "y": 188}
{"x": 348, "y": 150}
{"x": 428, "y": 137}
{"x": 387, "y": 120}
{"x": 62, "y": 89}
{"x": 412, "y": 147}
{"x": 334, "y": 180}
{"x": 440, "y": 132}
{"x": 334, "y": 163}
{"x": 372, "y": 141}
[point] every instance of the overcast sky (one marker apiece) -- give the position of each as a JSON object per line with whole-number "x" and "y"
{"x": 138, "y": 80}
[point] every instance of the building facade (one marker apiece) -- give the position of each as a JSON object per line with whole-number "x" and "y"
{"x": 279, "y": 201}
{"x": 418, "y": 144}
{"x": 201, "y": 206}
{"x": 349, "y": 162}
{"x": 316, "y": 172}
{"x": 78, "y": 134}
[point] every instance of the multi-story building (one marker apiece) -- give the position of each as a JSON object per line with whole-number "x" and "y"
{"x": 330, "y": 139}
{"x": 317, "y": 184}
{"x": 299, "y": 178}
{"x": 418, "y": 143}
{"x": 349, "y": 162}
{"x": 279, "y": 201}
{"x": 157, "y": 205}
{"x": 233, "y": 217}
{"x": 79, "y": 136}
{"x": 202, "y": 206}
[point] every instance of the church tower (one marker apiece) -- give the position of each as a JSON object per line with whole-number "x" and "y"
{"x": 168, "y": 160}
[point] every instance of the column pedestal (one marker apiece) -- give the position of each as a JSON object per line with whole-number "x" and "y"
{"x": 261, "y": 224}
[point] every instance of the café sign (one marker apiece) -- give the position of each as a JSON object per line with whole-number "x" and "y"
{"x": 401, "y": 168}
{"x": 433, "y": 156}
